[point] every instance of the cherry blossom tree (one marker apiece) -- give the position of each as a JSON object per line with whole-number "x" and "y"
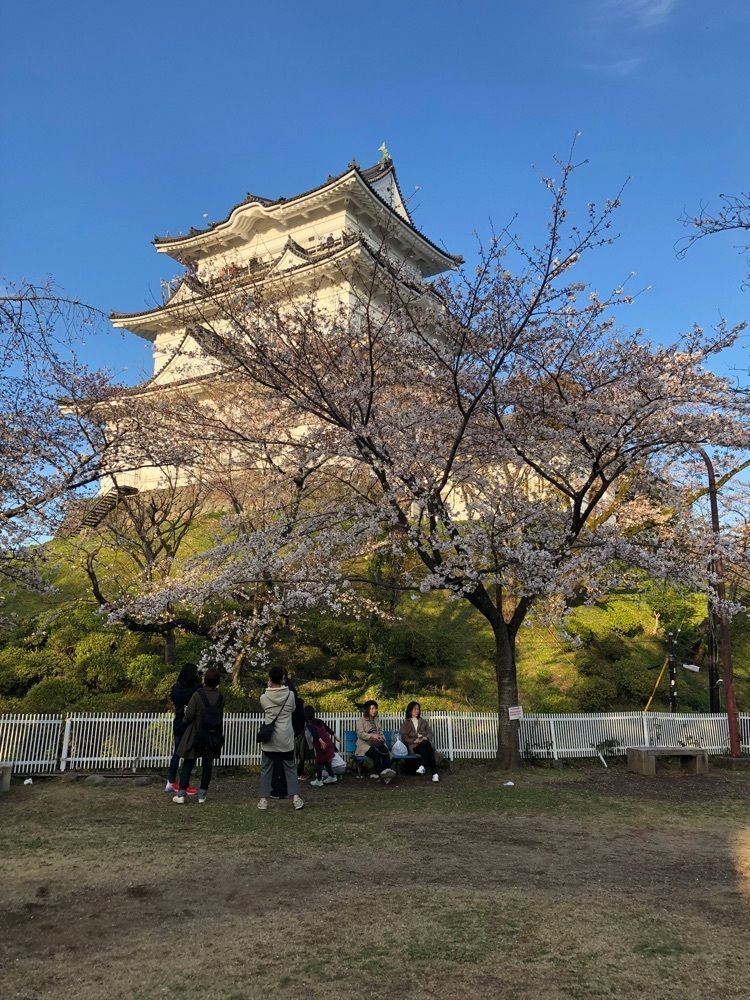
{"x": 138, "y": 545}
{"x": 64, "y": 426}
{"x": 732, "y": 216}
{"x": 48, "y": 453}
{"x": 498, "y": 429}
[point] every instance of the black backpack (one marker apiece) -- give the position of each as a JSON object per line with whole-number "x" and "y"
{"x": 209, "y": 739}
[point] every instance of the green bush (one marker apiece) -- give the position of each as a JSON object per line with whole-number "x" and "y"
{"x": 54, "y": 694}
{"x": 596, "y": 694}
{"x": 20, "y": 668}
{"x": 163, "y": 687}
{"x": 624, "y": 618}
{"x": 145, "y": 670}
{"x": 96, "y": 657}
{"x": 189, "y": 649}
{"x": 337, "y": 637}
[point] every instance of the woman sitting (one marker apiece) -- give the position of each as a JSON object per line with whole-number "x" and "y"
{"x": 417, "y": 736}
{"x": 371, "y": 743}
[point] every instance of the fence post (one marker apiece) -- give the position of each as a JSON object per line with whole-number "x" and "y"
{"x": 65, "y": 745}
{"x": 553, "y": 738}
{"x": 646, "y": 739}
{"x": 450, "y": 736}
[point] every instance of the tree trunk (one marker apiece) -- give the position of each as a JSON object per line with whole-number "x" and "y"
{"x": 170, "y": 647}
{"x": 507, "y": 694}
{"x": 505, "y": 675}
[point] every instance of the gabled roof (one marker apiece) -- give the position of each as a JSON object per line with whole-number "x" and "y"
{"x": 369, "y": 177}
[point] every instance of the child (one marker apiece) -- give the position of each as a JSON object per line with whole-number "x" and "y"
{"x": 322, "y": 739}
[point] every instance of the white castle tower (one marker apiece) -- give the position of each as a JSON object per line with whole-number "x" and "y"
{"x": 316, "y": 239}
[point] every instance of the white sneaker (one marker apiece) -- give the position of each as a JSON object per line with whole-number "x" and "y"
{"x": 317, "y": 783}
{"x": 179, "y": 799}
{"x": 263, "y": 803}
{"x": 420, "y": 769}
{"x": 375, "y": 775}
{"x": 388, "y": 772}
{"x": 298, "y": 802}
{"x": 330, "y": 780}
{"x": 436, "y": 777}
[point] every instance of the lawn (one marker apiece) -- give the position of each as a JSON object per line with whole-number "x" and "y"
{"x": 575, "y": 883}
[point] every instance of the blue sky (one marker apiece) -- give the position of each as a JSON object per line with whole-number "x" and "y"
{"x": 124, "y": 120}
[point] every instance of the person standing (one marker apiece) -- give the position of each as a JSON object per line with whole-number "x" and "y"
{"x": 278, "y": 703}
{"x": 371, "y": 742}
{"x": 203, "y": 736}
{"x": 417, "y": 735}
{"x": 188, "y": 682}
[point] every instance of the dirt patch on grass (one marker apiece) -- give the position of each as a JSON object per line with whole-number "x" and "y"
{"x": 567, "y": 885}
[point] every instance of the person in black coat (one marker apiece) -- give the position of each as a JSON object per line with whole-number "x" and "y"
{"x": 188, "y": 682}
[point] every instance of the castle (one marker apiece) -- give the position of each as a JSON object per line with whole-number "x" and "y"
{"x": 315, "y": 239}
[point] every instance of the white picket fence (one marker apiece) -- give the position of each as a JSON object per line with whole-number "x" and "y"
{"x": 44, "y": 744}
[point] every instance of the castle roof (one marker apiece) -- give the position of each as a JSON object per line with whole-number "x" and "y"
{"x": 293, "y": 259}
{"x": 375, "y": 182}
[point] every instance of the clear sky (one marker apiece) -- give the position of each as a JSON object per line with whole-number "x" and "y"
{"x": 122, "y": 120}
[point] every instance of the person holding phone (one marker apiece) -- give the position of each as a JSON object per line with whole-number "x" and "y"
{"x": 417, "y": 735}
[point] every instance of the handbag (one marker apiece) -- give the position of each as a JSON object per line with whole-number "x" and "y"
{"x": 265, "y": 730}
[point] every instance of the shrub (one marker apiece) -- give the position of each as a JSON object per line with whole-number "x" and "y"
{"x": 20, "y": 668}
{"x": 145, "y": 670}
{"x": 624, "y": 618}
{"x": 337, "y": 637}
{"x": 189, "y": 649}
{"x": 596, "y": 694}
{"x": 95, "y": 656}
{"x": 54, "y": 694}
{"x": 163, "y": 687}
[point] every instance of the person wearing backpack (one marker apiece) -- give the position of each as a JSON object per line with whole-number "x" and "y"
{"x": 203, "y": 736}
{"x": 278, "y": 703}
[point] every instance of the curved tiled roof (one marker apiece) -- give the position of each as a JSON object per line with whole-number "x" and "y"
{"x": 264, "y": 270}
{"x": 368, "y": 176}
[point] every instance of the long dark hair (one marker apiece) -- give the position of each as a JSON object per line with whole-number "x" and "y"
{"x": 410, "y": 706}
{"x": 188, "y": 676}
{"x": 366, "y": 706}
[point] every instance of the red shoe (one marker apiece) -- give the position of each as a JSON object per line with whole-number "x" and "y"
{"x": 191, "y": 791}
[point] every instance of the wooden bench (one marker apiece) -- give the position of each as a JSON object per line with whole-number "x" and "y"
{"x": 5, "y": 772}
{"x": 667, "y": 760}
{"x": 391, "y": 735}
